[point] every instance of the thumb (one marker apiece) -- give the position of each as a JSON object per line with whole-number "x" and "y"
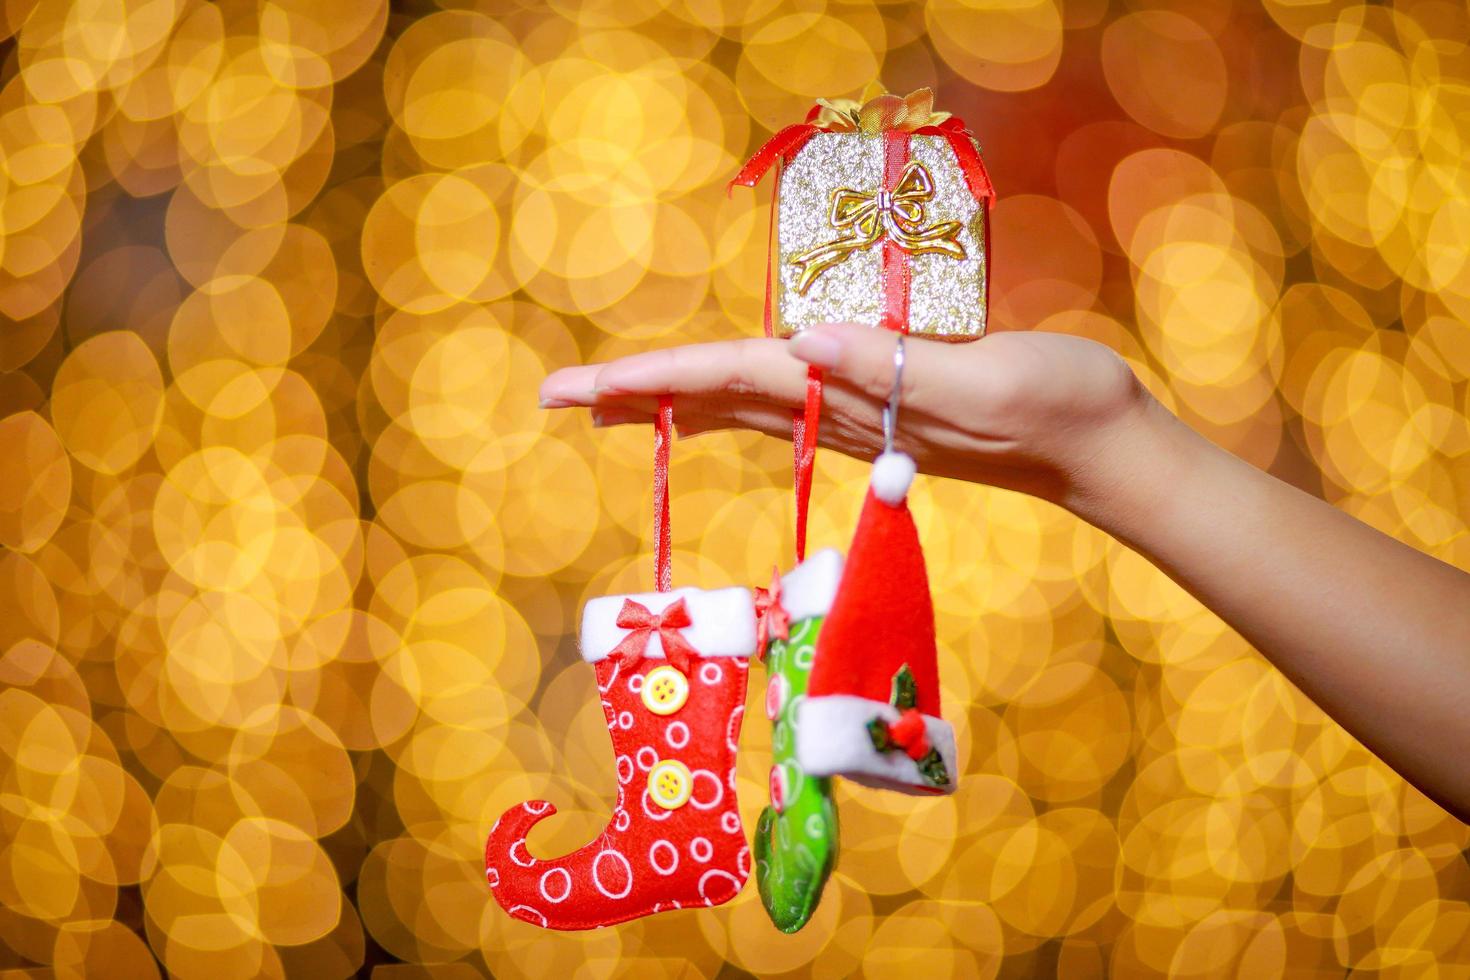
{"x": 863, "y": 356}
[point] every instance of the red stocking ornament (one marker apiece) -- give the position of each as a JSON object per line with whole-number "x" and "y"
{"x": 671, "y": 669}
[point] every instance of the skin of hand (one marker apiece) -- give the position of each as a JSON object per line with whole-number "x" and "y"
{"x": 1375, "y": 632}
{"x": 1016, "y": 410}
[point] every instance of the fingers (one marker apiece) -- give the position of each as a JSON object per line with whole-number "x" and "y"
{"x": 769, "y": 370}
{"x": 863, "y": 356}
{"x": 859, "y": 441}
{"x": 692, "y": 406}
{"x": 755, "y": 369}
{"x": 570, "y": 387}
{"x": 759, "y": 418}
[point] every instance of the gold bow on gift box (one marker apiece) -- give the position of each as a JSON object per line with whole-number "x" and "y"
{"x": 879, "y": 111}
{"x": 864, "y": 219}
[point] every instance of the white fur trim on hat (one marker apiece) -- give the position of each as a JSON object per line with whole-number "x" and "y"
{"x": 893, "y": 474}
{"x": 809, "y": 588}
{"x": 832, "y": 740}
{"x": 722, "y": 622}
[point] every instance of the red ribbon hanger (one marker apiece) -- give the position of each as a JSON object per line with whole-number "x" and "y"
{"x": 663, "y": 433}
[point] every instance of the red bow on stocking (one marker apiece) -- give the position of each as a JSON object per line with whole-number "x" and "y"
{"x": 771, "y": 618}
{"x": 636, "y": 617}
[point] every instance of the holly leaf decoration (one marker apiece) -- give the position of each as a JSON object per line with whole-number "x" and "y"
{"x": 878, "y": 732}
{"x": 905, "y": 690}
{"x": 933, "y": 769}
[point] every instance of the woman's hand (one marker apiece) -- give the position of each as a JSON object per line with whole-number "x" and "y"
{"x": 1372, "y": 630}
{"x": 1034, "y": 412}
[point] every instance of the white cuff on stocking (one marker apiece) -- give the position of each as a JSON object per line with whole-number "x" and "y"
{"x": 809, "y": 588}
{"x": 722, "y": 622}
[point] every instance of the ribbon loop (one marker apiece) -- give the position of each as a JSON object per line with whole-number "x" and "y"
{"x": 642, "y": 624}
{"x": 771, "y": 618}
{"x": 865, "y": 218}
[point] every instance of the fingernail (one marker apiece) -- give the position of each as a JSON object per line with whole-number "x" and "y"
{"x": 556, "y": 403}
{"x": 820, "y": 349}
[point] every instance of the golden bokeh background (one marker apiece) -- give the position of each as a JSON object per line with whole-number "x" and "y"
{"x": 292, "y": 561}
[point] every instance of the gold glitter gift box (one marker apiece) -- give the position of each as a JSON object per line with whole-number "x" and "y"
{"x": 881, "y": 217}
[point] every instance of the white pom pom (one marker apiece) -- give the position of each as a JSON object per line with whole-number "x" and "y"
{"x": 893, "y": 473}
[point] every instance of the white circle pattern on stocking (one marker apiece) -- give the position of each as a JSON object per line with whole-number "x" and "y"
{"x": 730, "y": 822}
{"x": 635, "y": 683}
{"x": 673, "y": 864}
{"x": 711, "y": 673}
{"x": 732, "y": 728}
{"x": 625, "y": 720}
{"x": 701, "y": 849}
{"x": 597, "y": 873}
{"x": 625, "y": 761}
{"x": 536, "y": 807}
{"x": 677, "y": 734}
{"x": 565, "y": 878}
{"x": 525, "y": 913}
{"x": 528, "y": 862}
{"x": 714, "y": 874}
{"x": 719, "y": 796}
{"x": 492, "y": 875}
{"x": 652, "y": 810}
{"x": 652, "y": 758}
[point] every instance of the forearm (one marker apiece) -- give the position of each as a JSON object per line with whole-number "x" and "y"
{"x": 1377, "y": 633}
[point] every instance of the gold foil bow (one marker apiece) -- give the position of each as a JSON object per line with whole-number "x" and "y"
{"x": 864, "y": 219}
{"x": 879, "y": 111}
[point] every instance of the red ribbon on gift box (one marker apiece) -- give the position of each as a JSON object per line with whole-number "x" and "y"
{"x": 788, "y": 141}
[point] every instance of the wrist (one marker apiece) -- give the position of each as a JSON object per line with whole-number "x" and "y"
{"x": 1131, "y": 468}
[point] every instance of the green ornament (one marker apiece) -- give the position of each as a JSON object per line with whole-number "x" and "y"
{"x": 796, "y": 848}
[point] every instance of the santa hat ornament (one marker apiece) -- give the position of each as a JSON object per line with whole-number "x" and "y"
{"x": 872, "y": 708}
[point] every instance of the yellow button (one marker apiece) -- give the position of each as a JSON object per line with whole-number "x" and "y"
{"x": 665, "y": 690}
{"x": 669, "y": 784}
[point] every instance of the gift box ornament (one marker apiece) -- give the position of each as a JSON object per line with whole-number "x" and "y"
{"x": 881, "y": 216}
